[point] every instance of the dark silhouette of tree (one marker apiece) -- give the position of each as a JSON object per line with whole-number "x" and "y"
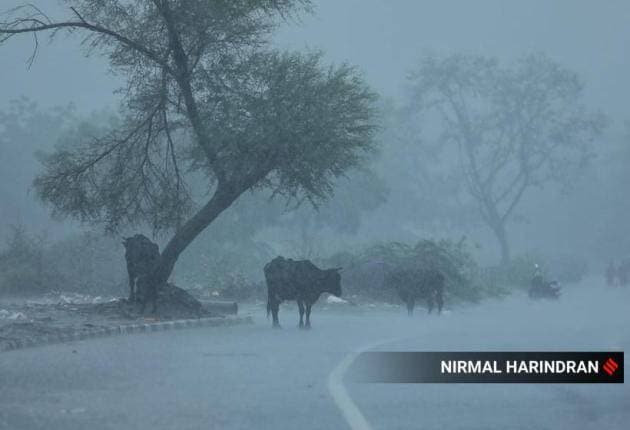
{"x": 206, "y": 101}
{"x": 513, "y": 128}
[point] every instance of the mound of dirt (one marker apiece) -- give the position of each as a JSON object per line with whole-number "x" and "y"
{"x": 172, "y": 303}
{"x": 175, "y": 302}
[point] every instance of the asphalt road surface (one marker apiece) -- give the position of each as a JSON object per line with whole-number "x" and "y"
{"x": 253, "y": 377}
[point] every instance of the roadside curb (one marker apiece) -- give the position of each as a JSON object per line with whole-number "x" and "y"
{"x": 124, "y": 330}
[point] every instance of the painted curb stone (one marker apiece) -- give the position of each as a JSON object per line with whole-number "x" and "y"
{"x": 124, "y": 329}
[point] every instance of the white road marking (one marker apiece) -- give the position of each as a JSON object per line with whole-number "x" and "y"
{"x": 351, "y": 413}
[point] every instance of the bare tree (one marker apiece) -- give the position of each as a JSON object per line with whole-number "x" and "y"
{"x": 513, "y": 128}
{"x": 206, "y": 102}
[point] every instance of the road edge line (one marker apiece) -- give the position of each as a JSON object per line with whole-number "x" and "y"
{"x": 349, "y": 410}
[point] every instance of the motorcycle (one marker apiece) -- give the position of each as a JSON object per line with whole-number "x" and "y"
{"x": 544, "y": 290}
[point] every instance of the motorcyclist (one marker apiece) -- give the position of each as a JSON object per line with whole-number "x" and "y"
{"x": 537, "y": 279}
{"x": 540, "y": 287}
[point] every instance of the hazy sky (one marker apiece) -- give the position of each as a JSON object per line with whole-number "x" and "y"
{"x": 384, "y": 38}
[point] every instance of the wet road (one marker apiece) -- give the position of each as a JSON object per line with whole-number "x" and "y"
{"x": 254, "y": 377}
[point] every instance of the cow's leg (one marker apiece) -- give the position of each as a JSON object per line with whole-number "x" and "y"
{"x": 141, "y": 293}
{"x": 275, "y": 307}
{"x": 153, "y": 289}
{"x": 132, "y": 293}
{"x": 308, "y": 314}
{"x": 431, "y": 302}
{"x": 301, "y": 308}
{"x": 411, "y": 303}
{"x": 440, "y": 301}
{"x": 143, "y": 303}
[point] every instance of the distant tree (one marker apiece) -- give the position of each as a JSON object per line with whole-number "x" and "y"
{"x": 207, "y": 102}
{"x": 511, "y": 128}
{"x": 360, "y": 193}
{"x": 412, "y": 169}
{"x": 613, "y": 203}
{"x": 25, "y": 129}
{"x": 22, "y": 267}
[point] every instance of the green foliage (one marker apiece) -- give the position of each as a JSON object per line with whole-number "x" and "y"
{"x": 515, "y": 275}
{"x": 364, "y": 273}
{"x": 206, "y": 100}
{"x": 228, "y": 264}
{"x": 89, "y": 263}
{"x": 22, "y": 268}
{"x": 518, "y": 273}
{"x": 86, "y": 263}
{"x": 235, "y": 286}
{"x": 455, "y": 262}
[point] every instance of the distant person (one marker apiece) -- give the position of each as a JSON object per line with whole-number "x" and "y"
{"x": 611, "y": 274}
{"x": 542, "y": 289}
{"x": 537, "y": 277}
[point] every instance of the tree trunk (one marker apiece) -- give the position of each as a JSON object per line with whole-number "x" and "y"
{"x": 501, "y": 234}
{"x": 221, "y": 200}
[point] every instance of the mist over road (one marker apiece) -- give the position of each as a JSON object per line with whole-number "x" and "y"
{"x": 255, "y": 377}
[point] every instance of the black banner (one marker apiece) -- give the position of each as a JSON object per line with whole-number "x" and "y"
{"x": 488, "y": 367}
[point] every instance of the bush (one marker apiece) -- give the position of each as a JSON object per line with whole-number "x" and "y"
{"x": 86, "y": 263}
{"x": 89, "y": 263}
{"x": 516, "y": 275}
{"x": 235, "y": 286}
{"x": 364, "y": 274}
{"x": 22, "y": 267}
{"x": 456, "y": 263}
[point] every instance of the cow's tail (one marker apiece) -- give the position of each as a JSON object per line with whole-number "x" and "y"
{"x": 268, "y": 308}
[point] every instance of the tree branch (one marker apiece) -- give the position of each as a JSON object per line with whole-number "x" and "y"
{"x": 515, "y": 201}
{"x": 30, "y": 25}
{"x": 184, "y": 81}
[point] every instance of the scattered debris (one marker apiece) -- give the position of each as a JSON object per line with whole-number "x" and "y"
{"x": 61, "y": 314}
{"x": 336, "y": 300}
{"x": 9, "y": 315}
{"x": 56, "y": 298}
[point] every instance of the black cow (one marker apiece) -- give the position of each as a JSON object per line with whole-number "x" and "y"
{"x": 141, "y": 255}
{"x": 411, "y": 285}
{"x": 301, "y": 281}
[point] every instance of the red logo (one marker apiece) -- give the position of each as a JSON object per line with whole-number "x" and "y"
{"x": 610, "y": 366}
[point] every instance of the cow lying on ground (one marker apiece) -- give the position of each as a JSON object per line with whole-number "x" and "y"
{"x": 301, "y": 281}
{"x": 141, "y": 255}
{"x": 412, "y": 285}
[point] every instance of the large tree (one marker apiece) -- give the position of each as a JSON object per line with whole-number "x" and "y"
{"x": 206, "y": 102}
{"x": 510, "y": 128}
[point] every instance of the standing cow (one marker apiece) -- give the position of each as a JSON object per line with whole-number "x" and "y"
{"x": 412, "y": 285}
{"x": 141, "y": 255}
{"x": 301, "y": 281}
